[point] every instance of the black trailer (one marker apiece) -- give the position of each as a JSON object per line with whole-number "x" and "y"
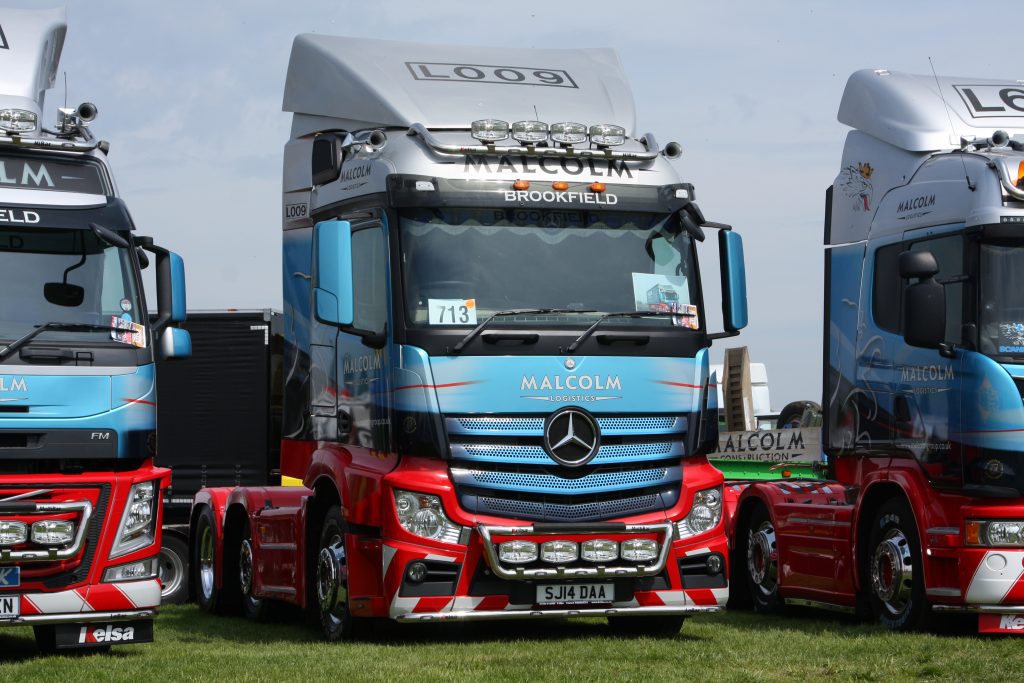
{"x": 218, "y": 421}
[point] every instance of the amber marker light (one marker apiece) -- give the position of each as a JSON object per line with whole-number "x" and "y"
{"x": 597, "y": 187}
{"x": 521, "y": 185}
{"x": 973, "y": 529}
{"x": 560, "y": 185}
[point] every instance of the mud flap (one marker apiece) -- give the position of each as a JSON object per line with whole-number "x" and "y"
{"x": 101, "y": 634}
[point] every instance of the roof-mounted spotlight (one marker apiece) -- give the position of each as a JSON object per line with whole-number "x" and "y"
{"x": 490, "y": 130}
{"x": 529, "y": 131}
{"x": 607, "y": 135}
{"x": 568, "y": 133}
{"x": 18, "y": 121}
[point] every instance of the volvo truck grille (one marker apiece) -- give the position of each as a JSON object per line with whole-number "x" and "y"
{"x": 500, "y": 467}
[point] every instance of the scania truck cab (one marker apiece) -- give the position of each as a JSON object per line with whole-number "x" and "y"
{"x": 79, "y": 496}
{"x": 923, "y": 369}
{"x": 483, "y": 418}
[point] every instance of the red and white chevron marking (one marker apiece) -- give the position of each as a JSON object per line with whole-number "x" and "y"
{"x": 105, "y": 597}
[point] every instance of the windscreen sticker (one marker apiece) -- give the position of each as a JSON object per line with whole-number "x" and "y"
{"x": 1011, "y": 337}
{"x": 665, "y": 293}
{"x": 127, "y": 332}
{"x": 126, "y": 305}
{"x": 451, "y": 311}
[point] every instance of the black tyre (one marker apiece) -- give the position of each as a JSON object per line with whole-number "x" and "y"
{"x": 330, "y": 579}
{"x": 666, "y": 626}
{"x": 761, "y": 562}
{"x": 791, "y": 417}
{"x": 205, "y": 549}
{"x": 895, "y": 577}
{"x": 173, "y": 570}
{"x": 252, "y": 607}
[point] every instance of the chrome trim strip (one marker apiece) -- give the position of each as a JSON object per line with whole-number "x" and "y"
{"x": 943, "y": 592}
{"x": 981, "y": 609}
{"x": 46, "y": 143}
{"x": 85, "y": 507}
{"x": 944, "y": 531}
{"x": 418, "y": 129}
{"x": 79, "y": 617}
{"x": 523, "y": 574}
{"x": 819, "y": 522}
{"x": 485, "y": 615}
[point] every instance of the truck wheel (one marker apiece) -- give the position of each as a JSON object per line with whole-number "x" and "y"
{"x": 666, "y": 626}
{"x": 791, "y": 416}
{"x": 336, "y": 621}
{"x": 252, "y": 607}
{"x": 204, "y": 568}
{"x": 173, "y": 570}
{"x": 895, "y": 571}
{"x": 762, "y": 563}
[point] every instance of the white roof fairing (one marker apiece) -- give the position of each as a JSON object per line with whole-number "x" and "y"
{"x": 923, "y": 113}
{"x": 29, "y": 52}
{"x": 366, "y": 83}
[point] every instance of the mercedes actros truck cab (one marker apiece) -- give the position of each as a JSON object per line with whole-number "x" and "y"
{"x": 483, "y": 418}
{"x": 79, "y": 495}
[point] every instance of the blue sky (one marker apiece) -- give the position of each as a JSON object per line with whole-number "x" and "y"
{"x": 189, "y": 94}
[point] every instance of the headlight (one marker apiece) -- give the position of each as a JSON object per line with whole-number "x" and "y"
{"x": 422, "y": 514}
{"x": 1002, "y": 532}
{"x": 705, "y": 514}
{"x": 138, "y": 523}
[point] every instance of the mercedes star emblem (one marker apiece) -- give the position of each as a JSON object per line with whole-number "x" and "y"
{"x": 572, "y": 437}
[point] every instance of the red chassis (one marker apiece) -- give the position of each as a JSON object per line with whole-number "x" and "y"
{"x": 464, "y": 578}
{"x": 892, "y": 542}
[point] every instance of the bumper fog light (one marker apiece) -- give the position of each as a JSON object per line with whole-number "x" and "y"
{"x": 600, "y": 550}
{"x": 53, "y": 532}
{"x": 517, "y": 552}
{"x": 639, "y": 549}
{"x": 559, "y": 552}
{"x": 714, "y": 564}
{"x": 133, "y": 571}
{"x": 416, "y": 572}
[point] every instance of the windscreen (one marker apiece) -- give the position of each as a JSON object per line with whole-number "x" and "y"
{"x": 462, "y": 265}
{"x": 66, "y": 277}
{"x": 1002, "y": 299}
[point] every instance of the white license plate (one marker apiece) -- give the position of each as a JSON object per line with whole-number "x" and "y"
{"x": 574, "y": 593}
{"x": 10, "y": 607}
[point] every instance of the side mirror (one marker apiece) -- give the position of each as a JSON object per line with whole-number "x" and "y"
{"x": 170, "y": 287}
{"x": 734, "y": 280}
{"x": 332, "y": 253}
{"x": 924, "y": 302}
{"x": 175, "y": 343}
{"x": 325, "y": 160}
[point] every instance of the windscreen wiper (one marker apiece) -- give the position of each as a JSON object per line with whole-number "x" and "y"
{"x": 618, "y": 314}
{"x": 69, "y": 327}
{"x": 512, "y": 311}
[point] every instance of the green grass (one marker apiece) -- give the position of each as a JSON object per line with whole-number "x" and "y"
{"x": 737, "y": 646}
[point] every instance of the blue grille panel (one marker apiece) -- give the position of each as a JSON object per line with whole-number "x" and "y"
{"x": 534, "y": 426}
{"x": 622, "y": 453}
{"x": 552, "y": 484}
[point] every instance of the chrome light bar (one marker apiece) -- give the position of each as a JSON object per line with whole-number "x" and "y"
{"x": 418, "y": 129}
{"x": 487, "y": 533}
{"x": 50, "y": 554}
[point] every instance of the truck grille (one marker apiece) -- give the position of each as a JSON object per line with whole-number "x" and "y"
{"x": 500, "y": 467}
